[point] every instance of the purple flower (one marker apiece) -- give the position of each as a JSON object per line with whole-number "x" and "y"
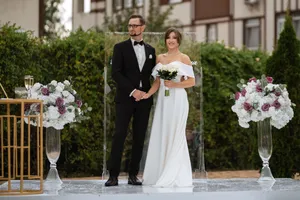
{"x": 237, "y": 95}
{"x": 45, "y": 91}
{"x": 79, "y": 103}
{"x": 278, "y": 93}
{"x": 247, "y": 107}
{"x": 38, "y": 108}
{"x": 27, "y": 106}
{"x": 59, "y": 102}
{"x": 265, "y": 107}
{"x": 276, "y": 104}
{"x": 252, "y": 79}
{"x": 62, "y": 110}
{"x": 244, "y": 91}
{"x": 258, "y": 88}
{"x": 269, "y": 79}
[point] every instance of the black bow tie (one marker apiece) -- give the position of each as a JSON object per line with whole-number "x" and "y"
{"x": 140, "y": 43}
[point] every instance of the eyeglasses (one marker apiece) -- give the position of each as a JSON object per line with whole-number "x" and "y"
{"x": 134, "y": 25}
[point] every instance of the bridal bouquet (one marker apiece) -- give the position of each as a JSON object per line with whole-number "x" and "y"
{"x": 60, "y": 102}
{"x": 167, "y": 73}
{"x": 261, "y": 99}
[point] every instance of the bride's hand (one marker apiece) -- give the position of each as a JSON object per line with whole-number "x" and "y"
{"x": 169, "y": 84}
{"x": 146, "y": 96}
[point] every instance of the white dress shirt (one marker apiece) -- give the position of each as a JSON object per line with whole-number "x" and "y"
{"x": 141, "y": 58}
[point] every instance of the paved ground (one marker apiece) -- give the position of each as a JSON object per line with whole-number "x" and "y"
{"x": 218, "y": 174}
{"x": 211, "y": 175}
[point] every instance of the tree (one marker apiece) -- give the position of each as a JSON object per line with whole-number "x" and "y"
{"x": 52, "y": 20}
{"x": 284, "y": 67}
{"x": 155, "y": 22}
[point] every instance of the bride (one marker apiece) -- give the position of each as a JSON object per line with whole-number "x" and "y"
{"x": 168, "y": 163}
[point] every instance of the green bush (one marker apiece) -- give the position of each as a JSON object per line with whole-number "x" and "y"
{"x": 227, "y": 145}
{"x": 19, "y": 55}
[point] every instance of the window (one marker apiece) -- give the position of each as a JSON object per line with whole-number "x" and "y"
{"x": 118, "y": 4}
{"x": 211, "y": 34}
{"x": 87, "y": 6}
{"x": 252, "y": 33}
{"x": 175, "y": 1}
{"x": 139, "y": 3}
{"x": 280, "y": 25}
{"x": 127, "y": 3}
{"x": 296, "y": 23}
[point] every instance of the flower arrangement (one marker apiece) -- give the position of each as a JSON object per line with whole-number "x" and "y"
{"x": 167, "y": 73}
{"x": 61, "y": 104}
{"x": 259, "y": 99}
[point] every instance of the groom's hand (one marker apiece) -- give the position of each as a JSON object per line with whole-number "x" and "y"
{"x": 138, "y": 94}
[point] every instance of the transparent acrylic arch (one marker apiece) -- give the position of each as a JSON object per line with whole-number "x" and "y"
{"x": 195, "y": 123}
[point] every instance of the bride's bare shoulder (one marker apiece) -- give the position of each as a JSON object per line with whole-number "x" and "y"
{"x": 186, "y": 59}
{"x": 160, "y": 58}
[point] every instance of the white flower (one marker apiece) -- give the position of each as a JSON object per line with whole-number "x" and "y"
{"x": 70, "y": 99}
{"x": 65, "y": 93}
{"x": 69, "y": 116}
{"x": 54, "y": 83}
{"x": 52, "y": 113}
{"x": 67, "y": 83}
{"x": 35, "y": 87}
{"x": 59, "y": 88}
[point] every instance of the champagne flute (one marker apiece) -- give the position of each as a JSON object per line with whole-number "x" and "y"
{"x": 28, "y": 81}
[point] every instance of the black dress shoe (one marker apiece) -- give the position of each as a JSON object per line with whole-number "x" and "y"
{"x": 133, "y": 180}
{"x": 112, "y": 181}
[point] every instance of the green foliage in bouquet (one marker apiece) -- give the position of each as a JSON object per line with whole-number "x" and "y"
{"x": 284, "y": 67}
{"x": 167, "y": 75}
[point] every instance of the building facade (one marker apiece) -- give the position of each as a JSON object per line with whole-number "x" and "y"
{"x": 24, "y": 13}
{"x": 250, "y": 23}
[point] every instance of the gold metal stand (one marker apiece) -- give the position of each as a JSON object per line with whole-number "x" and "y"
{"x": 21, "y": 148}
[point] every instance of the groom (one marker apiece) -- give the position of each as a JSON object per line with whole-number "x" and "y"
{"x": 132, "y": 64}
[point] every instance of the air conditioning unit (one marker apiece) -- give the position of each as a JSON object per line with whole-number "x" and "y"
{"x": 251, "y": 1}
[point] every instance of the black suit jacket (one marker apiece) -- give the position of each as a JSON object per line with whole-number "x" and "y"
{"x": 126, "y": 71}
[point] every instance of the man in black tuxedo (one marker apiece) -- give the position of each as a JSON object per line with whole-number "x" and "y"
{"x": 132, "y": 64}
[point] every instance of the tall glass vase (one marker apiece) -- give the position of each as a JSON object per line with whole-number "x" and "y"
{"x": 53, "y": 152}
{"x": 265, "y": 147}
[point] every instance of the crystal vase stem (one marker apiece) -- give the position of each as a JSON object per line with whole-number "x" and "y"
{"x": 265, "y": 148}
{"x": 53, "y": 146}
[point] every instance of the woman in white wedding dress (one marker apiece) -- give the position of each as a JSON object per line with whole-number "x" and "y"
{"x": 168, "y": 162}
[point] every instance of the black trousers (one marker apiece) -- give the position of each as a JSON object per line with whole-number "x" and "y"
{"x": 140, "y": 112}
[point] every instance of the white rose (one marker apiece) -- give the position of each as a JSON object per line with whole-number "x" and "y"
{"x": 36, "y": 87}
{"x": 52, "y": 113}
{"x": 69, "y": 99}
{"x": 244, "y": 124}
{"x": 69, "y": 116}
{"x": 59, "y": 88}
{"x": 65, "y": 93}
{"x": 66, "y": 82}
{"x": 54, "y": 83}
{"x": 61, "y": 85}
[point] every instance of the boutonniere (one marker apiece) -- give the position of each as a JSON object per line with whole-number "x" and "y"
{"x": 150, "y": 56}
